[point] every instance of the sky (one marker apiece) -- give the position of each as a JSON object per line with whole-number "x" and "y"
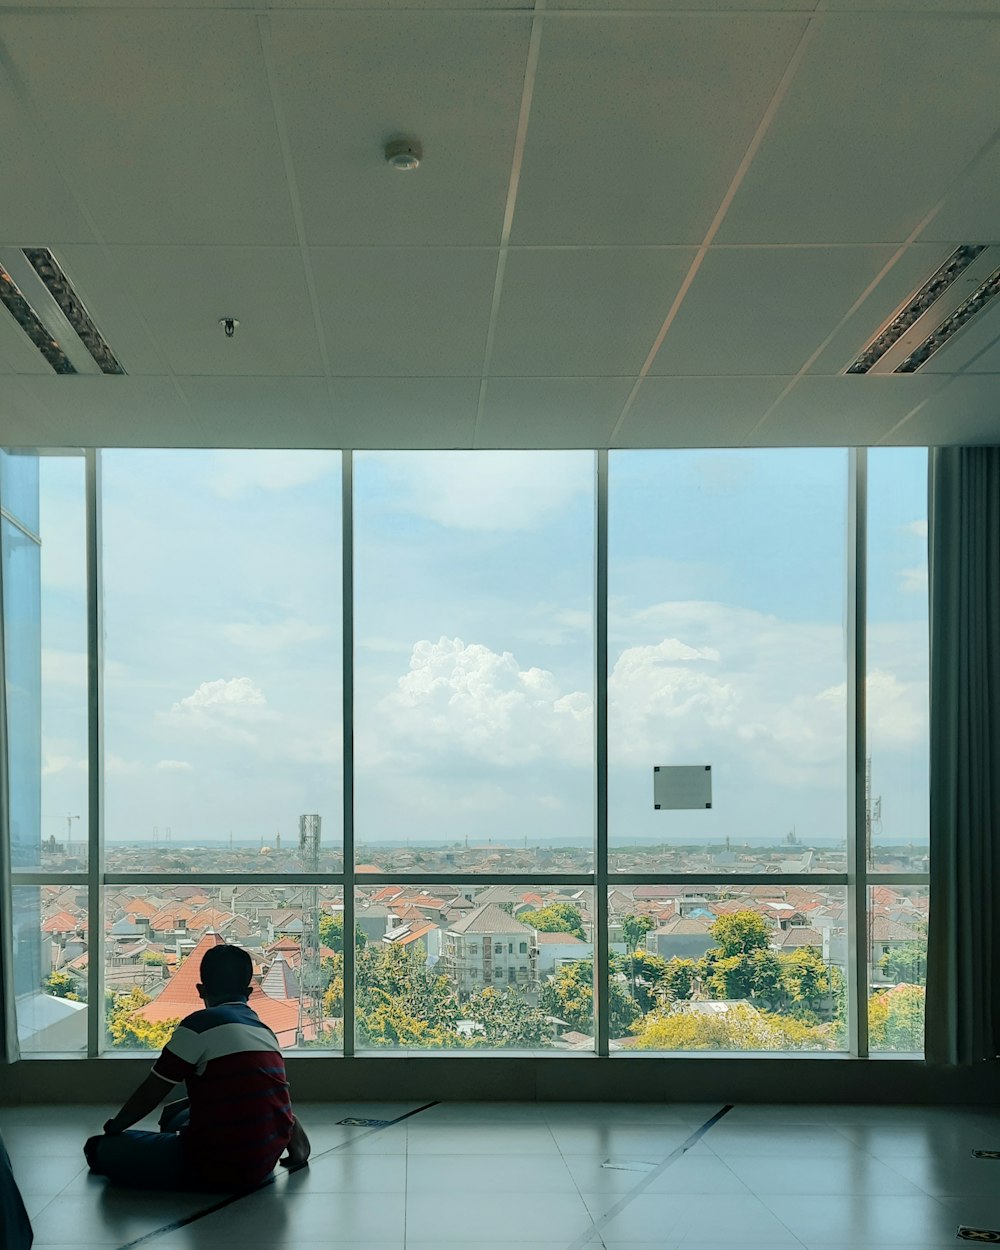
{"x": 474, "y": 637}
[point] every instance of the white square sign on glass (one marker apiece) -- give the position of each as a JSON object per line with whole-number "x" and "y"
{"x": 682, "y": 786}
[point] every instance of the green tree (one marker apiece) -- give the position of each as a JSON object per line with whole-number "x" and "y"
{"x": 401, "y": 1002}
{"x": 634, "y": 930}
{"x": 742, "y": 933}
{"x": 753, "y": 975}
{"x": 331, "y": 933}
{"x": 154, "y": 959}
{"x": 569, "y": 995}
{"x": 60, "y": 984}
{"x": 506, "y": 1019}
{"x": 129, "y": 1032}
{"x": 648, "y": 974}
{"x": 679, "y": 979}
{"x": 741, "y": 1027}
{"x": 556, "y": 918}
{"x": 907, "y": 964}
{"x": 896, "y": 1019}
{"x": 806, "y": 982}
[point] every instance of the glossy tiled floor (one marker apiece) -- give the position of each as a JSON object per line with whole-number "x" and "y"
{"x": 533, "y": 1176}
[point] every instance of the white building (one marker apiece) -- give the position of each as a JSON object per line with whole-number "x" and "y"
{"x": 490, "y": 947}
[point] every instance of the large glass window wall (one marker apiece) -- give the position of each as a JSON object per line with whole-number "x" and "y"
{"x": 452, "y": 708}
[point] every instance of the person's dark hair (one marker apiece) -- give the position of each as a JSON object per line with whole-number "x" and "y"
{"x": 226, "y": 970}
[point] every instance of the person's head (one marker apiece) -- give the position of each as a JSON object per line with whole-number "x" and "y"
{"x": 226, "y": 973}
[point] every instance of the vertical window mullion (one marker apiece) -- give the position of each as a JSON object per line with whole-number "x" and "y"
{"x": 857, "y": 849}
{"x": 95, "y": 758}
{"x": 347, "y": 660}
{"x": 602, "y": 969}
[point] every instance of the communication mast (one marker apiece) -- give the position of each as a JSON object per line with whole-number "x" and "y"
{"x": 310, "y": 969}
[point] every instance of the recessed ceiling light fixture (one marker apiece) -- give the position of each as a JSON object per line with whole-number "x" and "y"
{"x": 30, "y": 323}
{"x": 948, "y": 300}
{"x": 61, "y": 289}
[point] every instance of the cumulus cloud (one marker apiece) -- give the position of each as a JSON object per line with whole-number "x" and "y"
{"x": 234, "y": 695}
{"x": 232, "y": 709}
{"x": 55, "y": 763}
{"x": 256, "y": 636}
{"x": 478, "y": 703}
{"x": 174, "y": 766}
{"x": 237, "y": 473}
{"x": 917, "y": 528}
{"x": 495, "y": 491}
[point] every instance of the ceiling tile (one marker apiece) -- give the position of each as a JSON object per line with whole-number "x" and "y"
{"x": 857, "y": 410}
{"x": 100, "y": 411}
{"x": 638, "y": 124}
{"x": 972, "y": 210}
{"x": 764, "y": 310}
{"x": 183, "y": 292}
{"x": 584, "y": 312}
{"x": 697, "y": 412}
{"x": 405, "y": 413}
{"x": 551, "y": 412}
{"x": 965, "y": 410}
{"x": 25, "y": 420}
{"x": 909, "y": 273}
{"x": 351, "y": 81}
{"x": 162, "y": 120}
{"x": 405, "y": 312}
{"x": 261, "y": 412}
{"x": 882, "y": 116}
{"x": 974, "y": 349}
{"x": 37, "y": 206}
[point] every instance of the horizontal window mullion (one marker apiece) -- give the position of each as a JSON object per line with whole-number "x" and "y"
{"x": 728, "y": 880}
{"x": 222, "y": 878}
{"x": 48, "y": 878}
{"x": 897, "y": 878}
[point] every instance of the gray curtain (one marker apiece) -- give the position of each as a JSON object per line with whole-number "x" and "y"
{"x": 963, "y": 973}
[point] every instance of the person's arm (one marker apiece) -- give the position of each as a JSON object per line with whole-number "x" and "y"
{"x": 146, "y": 1098}
{"x": 298, "y": 1147}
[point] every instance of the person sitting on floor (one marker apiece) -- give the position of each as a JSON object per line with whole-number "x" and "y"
{"x": 237, "y": 1120}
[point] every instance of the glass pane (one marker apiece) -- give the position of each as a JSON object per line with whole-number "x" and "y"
{"x": 222, "y": 594}
{"x": 474, "y": 604}
{"x": 898, "y": 660}
{"x": 727, "y": 649}
{"x": 50, "y": 968}
{"x": 729, "y": 968}
{"x": 898, "y": 965}
{"x": 45, "y": 626}
{"x": 157, "y": 936}
{"x": 475, "y": 967}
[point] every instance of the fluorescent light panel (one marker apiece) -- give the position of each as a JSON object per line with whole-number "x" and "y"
{"x": 28, "y": 320}
{"x": 929, "y": 294}
{"x": 948, "y": 329}
{"x": 73, "y": 309}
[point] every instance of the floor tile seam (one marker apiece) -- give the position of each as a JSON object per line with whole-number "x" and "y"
{"x": 586, "y": 1237}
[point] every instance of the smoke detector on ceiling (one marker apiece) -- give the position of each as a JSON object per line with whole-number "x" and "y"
{"x": 404, "y": 154}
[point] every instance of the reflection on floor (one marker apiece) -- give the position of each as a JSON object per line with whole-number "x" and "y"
{"x": 536, "y": 1177}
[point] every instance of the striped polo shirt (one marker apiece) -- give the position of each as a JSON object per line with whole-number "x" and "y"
{"x": 241, "y": 1117}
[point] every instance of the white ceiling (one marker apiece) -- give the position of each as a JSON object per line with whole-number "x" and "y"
{"x": 637, "y": 223}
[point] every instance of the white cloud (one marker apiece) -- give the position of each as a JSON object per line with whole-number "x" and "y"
{"x": 55, "y": 764}
{"x": 913, "y": 581}
{"x": 64, "y": 668}
{"x": 174, "y": 766}
{"x": 116, "y": 766}
{"x": 917, "y": 528}
{"x": 472, "y": 702}
{"x": 239, "y": 472}
{"x": 495, "y": 491}
{"x": 234, "y": 695}
{"x": 254, "y": 636}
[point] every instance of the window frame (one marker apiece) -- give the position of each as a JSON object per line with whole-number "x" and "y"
{"x": 857, "y": 879}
